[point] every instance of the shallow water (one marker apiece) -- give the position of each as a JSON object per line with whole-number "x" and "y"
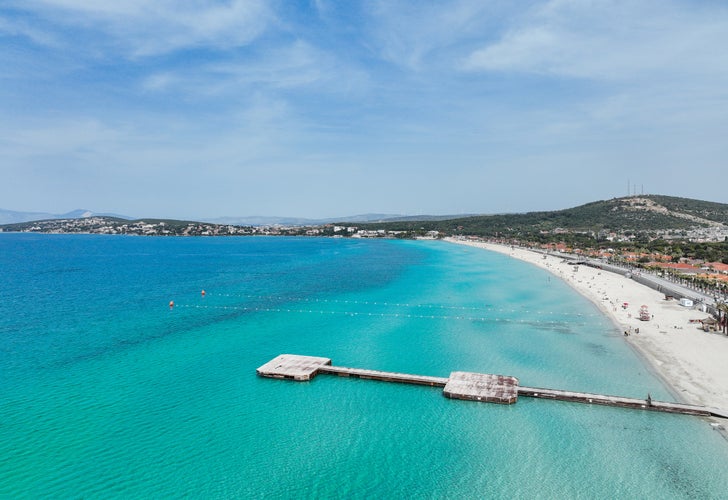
{"x": 107, "y": 392}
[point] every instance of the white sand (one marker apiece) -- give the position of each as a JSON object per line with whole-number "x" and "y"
{"x": 692, "y": 362}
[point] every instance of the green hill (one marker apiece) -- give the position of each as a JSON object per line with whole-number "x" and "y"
{"x": 648, "y": 213}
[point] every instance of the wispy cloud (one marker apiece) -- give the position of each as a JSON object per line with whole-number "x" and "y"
{"x": 642, "y": 76}
{"x": 297, "y": 66}
{"x": 89, "y": 158}
{"x": 294, "y": 65}
{"x": 142, "y": 28}
{"x": 411, "y": 34}
{"x": 21, "y": 28}
{"x": 613, "y": 41}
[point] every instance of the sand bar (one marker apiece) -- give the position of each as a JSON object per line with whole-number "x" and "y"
{"x": 694, "y": 363}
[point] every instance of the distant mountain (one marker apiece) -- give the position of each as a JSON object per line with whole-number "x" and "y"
{"x": 409, "y": 218}
{"x": 12, "y": 217}
{"x": 364, "y": 218}
{"x": 262, "y": 220}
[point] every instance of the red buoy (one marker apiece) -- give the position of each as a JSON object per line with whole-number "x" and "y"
{"x": 171, "y": 304}
{"x": 203, "y": 293}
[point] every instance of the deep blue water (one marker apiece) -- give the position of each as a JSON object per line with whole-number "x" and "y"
{"x": 107, "y": 392}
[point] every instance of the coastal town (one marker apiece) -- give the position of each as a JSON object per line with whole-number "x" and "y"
{"x": 158, "y": 227}
{"x": 151, "y": 227}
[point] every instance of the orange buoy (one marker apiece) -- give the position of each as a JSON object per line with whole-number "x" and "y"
{"x": 203, "y": 293}
{"x": 171, "y": 304}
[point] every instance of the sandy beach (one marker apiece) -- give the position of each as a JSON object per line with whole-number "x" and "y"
{"x": 692, "y": 362}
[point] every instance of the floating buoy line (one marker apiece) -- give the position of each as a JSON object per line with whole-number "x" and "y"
{"x": 488, "y": 308}
{"x": 468, "y": 313}
{"x": 366, "y": 314}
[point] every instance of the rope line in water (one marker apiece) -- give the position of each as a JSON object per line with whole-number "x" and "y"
{"x": 398, "y": 304}
{"x": 366, "y": 314}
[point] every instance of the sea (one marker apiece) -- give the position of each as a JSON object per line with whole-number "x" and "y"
{"x": 108, "y": 392}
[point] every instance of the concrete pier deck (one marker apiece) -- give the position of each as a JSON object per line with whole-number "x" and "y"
{"x": 482, "y": 387}
{"x": 293, "y": 366}
{"x": 471, "y": 386}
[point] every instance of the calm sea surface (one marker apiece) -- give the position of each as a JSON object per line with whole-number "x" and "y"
{"x": 107, "y": 392}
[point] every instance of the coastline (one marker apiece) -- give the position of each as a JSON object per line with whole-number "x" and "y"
{"x": 691, "y": 362}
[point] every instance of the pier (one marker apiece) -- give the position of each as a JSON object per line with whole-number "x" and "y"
{"x": 502, "y": 389}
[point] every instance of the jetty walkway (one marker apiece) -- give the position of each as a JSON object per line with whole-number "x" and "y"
{"x": 501, "y": 389}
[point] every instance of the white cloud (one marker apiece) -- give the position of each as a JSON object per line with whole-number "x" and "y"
{"x": 19, "y": 27}
{"x": 159, "y": 81}
{"x": 411, "y": 33}
{"x": 75, "y": 136}
{"x": 142, "y": 145}
{"x": 143, "y": 28}
{"x": 298, "y": 64}
{"x": 648, "y": 74}
{"x": 613, "y": 41}
{"x": 294, "y": 66}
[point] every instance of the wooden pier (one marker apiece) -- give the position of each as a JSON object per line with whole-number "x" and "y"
{"x": 501, "y": 389}
{"x": 638, "y": 404}
{"x": 402, "y": 378}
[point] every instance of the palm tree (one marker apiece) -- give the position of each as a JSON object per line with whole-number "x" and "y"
{"x": 723, "y": 316}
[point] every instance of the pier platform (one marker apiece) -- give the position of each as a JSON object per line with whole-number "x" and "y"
{"x": 483, "y": 387}
{"x": 293, "y": 367}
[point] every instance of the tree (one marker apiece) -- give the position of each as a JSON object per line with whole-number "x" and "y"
{"x": 723, "y": 317}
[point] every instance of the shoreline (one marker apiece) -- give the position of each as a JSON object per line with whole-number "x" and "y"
{"x": 690, "y": 362}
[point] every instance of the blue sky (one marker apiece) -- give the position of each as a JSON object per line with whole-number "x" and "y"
{"x": 195, "y": 108}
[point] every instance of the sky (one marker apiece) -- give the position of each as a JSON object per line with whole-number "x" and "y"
{"x": 323, "y": 108}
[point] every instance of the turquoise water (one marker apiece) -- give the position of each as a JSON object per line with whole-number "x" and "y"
{"x": 107, "y": 392}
